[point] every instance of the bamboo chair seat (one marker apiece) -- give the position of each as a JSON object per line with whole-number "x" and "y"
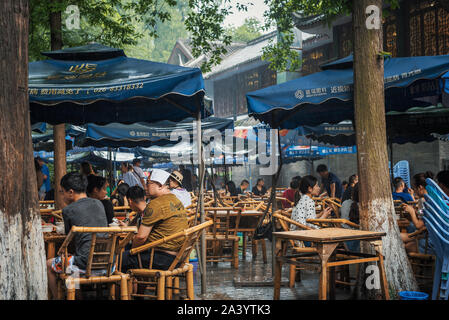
{"x": 161, "y": 273}
{"x": 166, "y": 282}
{"x": 105, "y": 246}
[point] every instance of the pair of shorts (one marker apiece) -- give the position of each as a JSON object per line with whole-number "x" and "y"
{"x": 161, "y": 260}
{"x": 56, "y": 266}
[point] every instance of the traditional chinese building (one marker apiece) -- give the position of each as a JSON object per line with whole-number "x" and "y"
{"x": 416, "y": 28}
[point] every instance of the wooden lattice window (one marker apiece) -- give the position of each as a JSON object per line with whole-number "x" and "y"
{"x": 428, "y": 28}
{"x": 391, "y": 35}
{"x": 345, "y": 46}
{"x": 443, "y": 31}
{"x": 314, "y": 58}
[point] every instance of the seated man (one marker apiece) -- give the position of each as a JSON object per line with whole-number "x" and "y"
{"x": 175, "y": 184}
{"x": 242, "y": 189}
{"x": 137, "y": 203}
{"x": 81, "y": 211}
{"x": 399, "y": 193}
{"x": 163, "y": 216}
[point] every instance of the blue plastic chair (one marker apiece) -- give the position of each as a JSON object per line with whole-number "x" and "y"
{"x": 436, "y": 218}
{"x": 402, "y": 169}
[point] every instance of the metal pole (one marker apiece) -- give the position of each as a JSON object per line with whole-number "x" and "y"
{"x": 200, "y": 202}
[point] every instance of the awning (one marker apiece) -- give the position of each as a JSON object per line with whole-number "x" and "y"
{"x": 327, "y": 96}
{"x": 98, "y": 84}
{"x": 145, "y": 134}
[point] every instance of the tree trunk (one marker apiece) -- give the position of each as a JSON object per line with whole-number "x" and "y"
{"x": 60, "y": 168}
{"x": 375, "y": 202}
{"x": 22, "y": 255}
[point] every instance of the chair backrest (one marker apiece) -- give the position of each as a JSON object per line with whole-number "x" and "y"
{"x": 190, "y": 236}
{"x": 226, "y": 220}
{"x": 401, "y": 169}
{"x": 285, "y": 224}
{"x": 104, "y": 246}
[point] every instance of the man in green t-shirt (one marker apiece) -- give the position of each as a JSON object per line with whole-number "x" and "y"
{"x": 163, "y": 216}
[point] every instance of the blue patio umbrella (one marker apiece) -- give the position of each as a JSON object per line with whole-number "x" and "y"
{"x": 146, "y": 134}
{"x": 327, "y": 96}
{"x": 39, "y": 127}
{"x": 98, "y": 84}
{"x": 445, "y": 86}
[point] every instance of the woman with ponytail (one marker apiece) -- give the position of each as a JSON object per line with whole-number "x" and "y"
{"x": 305, "y": 206}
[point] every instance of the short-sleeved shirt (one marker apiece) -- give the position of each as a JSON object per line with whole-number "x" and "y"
{"x": 139, "y": 172}
{"x": 131, "y": 179}
{"x": 261, "y": 192}
{"x": 47, "y": 183}
{"x": 332, "y": 178}
{"x": 290, "y": 195}
{"x": 86, "y": 212}
{"x": 108, "y": 209}
{"x": 304, "y": 209}
{"x": 167, "y": 216}
{"x": 183, "y": 195}
{"x": 347, "y": 195}
{"x": 403, "y": 196}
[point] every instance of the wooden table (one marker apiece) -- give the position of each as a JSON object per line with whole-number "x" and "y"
{"x": 326, "y": 241}
{"x": 331, "y": 222}
{"x": 51, "y": 238}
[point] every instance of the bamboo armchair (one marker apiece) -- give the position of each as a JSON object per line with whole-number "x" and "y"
{"x": 223, "y": 235}
{"x": 103, "y": 257}
{"x": 122, "y": 211}
{"x": 284, "y": 221}
{"x": 47, "y": 214}
{"x": 165, "y": 283}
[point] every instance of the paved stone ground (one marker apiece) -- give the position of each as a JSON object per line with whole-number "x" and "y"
{"x": 221, "y": 276}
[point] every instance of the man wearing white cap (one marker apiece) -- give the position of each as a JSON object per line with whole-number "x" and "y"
{"x": 162, "y": 217}
{"x": 175, "y": 184}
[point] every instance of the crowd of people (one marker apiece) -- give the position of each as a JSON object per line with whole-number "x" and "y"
{"x": 160, "y": 201}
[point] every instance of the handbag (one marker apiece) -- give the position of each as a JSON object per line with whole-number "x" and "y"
{"x": 264, "y": 231}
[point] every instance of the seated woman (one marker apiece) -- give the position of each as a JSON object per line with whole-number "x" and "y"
{"x": 419, "y": 186}
{"x": 175, "y": 184}
{"x": 96, "y": 189}
{"x": 289, "y": 194}
{"x": 259, "y": 189}
{"x": 118, "y": 196}
{"x": 304, "y": 206}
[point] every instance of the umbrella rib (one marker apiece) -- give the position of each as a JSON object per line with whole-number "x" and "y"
{"x": 177, "y": 105}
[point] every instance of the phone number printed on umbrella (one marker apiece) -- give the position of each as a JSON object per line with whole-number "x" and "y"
{"x": 76, "y": 91}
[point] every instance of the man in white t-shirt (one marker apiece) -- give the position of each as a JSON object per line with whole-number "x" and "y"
{"x": 138, "y": 170}
{"x": 175, "y": 184}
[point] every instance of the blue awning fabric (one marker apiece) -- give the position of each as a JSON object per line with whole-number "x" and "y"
{"x": 327, "y": 96}
{"x": 116, "y": 89}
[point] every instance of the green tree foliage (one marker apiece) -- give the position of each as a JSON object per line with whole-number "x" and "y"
{"x": 279, "y": 14}
{"x": 248, "y": 31}
{"x": 109, "y": 22}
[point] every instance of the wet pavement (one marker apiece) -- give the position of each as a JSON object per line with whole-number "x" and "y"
{"x": 221, "y": 278}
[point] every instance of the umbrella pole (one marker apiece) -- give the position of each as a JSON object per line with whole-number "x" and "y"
{"x": 110, "y": 170}
{"x": 391, "y": 159}
{"x": 200, "y": 203}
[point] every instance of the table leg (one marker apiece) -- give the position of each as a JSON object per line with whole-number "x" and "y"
{"x": 277, "y": 268}
{"x": 50, "y": 250}
{"x": 325, "y": 250}
{"x": 244, "y": 245}
{"x": 383, "y": 277}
